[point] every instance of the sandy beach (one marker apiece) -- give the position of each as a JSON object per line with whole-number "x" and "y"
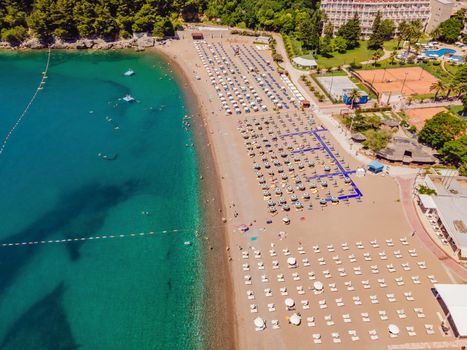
{"x": 308, "y": 237}
{"x": 217, "y": 297}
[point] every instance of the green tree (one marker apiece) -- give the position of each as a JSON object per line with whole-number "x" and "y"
{"x": 463, "y": 169}
{"x": 325, "y": 47}
{"x": 329, "y": 29}
{"x": 105, "y": 24}
{"x": 438, "y": 86}
{"x": 339, "y": 44}
{"x": 351, "y": 32}
{"x": 459, "y": 81}
{"x": 309, "y": 30}
{"x": 163, "y": 28}
{"x": 376, "y": 39}
{"x": 361, "y": 122}
{"x": 450, "y": 30}
{"x": 455, "y": 151}
{"x": 442, "y": 128}
{"x": 306, "y": 32}
{"x": 377, "y": 55}
{"x": 14, "y": 35}
{"x": 376, "y": 140}
{"x": 412, "y": 33}
{"x": 392, "y": 57}
{"x": 354, "y": 96}
{"x": 144, "y": 19}
{"x": 387, "y": 29}
{"x": 401, "y": 32}
{"x": 41, "y": 19}
{"x": 63, "y": 20}
{"x": 84, "y": 15}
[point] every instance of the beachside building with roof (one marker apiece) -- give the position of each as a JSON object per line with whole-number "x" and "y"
{"x": 447, "y": 210}
{"x": 262, "y": 39}
{"x": 339, "y": 12}
{"x": 197, "y": 36}
{"x": 305, "y": 62}
{"x": 407, "y": 151}
{"x": 454, "y": 303}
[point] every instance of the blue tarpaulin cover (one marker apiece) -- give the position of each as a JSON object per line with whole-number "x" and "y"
{"x": 375, "y": 166}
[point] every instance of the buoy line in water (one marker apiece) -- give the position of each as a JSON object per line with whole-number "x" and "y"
{"x": 18, "y": 121}
{"x": 98, "y": 237}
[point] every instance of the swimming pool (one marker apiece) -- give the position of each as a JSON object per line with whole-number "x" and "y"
{"x": 438, "y": 53}
{"x": 457, "y": 58}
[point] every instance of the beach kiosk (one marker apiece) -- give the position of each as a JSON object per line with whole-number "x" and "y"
{"x": 375, "y": 166}
{"x": 197, "y": 36}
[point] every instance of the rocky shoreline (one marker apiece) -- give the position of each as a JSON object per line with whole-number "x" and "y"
{"x": 139, "y": 44}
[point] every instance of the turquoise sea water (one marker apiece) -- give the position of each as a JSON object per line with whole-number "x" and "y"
{"x": 123, "y": 293}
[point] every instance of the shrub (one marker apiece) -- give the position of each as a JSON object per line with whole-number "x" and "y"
{"x": 442, "y": 128}
{"x": 356, "y": 65}
{"x": 463, "y": 170}
{"x": 376, "y": 140}
{"x": 426, "y": 190}
{"x": 277, "y": 57}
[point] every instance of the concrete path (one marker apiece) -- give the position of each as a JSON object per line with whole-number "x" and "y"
{"x": 386, "y": 54}
{"x": 433, "y": 104}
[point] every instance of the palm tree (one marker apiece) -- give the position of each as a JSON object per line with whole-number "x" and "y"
{"x": 449, "y": 87}
{"x": 392, "y": 57}
{"x": 354, "y": 95}
{"x": 376, "y": 56}
{"x": 402, "y": 31}
{"x": 413, "y": 32}
{"x": 437, "y": 86}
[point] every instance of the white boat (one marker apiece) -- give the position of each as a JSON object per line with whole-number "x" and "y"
{"x": 129, "y": 98}
{"x": 129, "y": 72}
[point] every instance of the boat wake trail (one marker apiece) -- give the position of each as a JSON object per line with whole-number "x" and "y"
{"x": 31, "y": 101}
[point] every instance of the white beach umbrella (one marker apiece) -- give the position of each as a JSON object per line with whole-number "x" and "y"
{"x": 259, "y": 322}
{"x": 393, "y": 329}
{"x": 295, "y": 319}
{"x": 289, "y": 302}
{"x": 292, "y": 261}
{"x": 318, "y": 285}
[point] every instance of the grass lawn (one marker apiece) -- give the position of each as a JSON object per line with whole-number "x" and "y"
{"x": 436, "y": 70}
{"x": 423, "y": 96}
{"x": 362, "y": 87}
{"x": 390, "y": 45}
{"x": 456, "y": 109}
{"x": 359, "y": 54}
{"x": 452, "y": 68}
{"x": 333, "y": 74}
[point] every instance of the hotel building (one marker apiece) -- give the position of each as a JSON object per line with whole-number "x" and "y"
{"x": 340, "y": 11}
